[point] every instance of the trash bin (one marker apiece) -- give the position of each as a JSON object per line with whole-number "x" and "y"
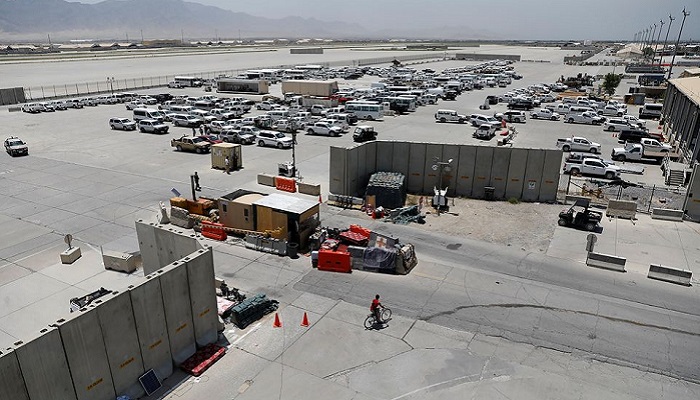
{"x": 293, "y": 250}
{"x": 489, "y": 192}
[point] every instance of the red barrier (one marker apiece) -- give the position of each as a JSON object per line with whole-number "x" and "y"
{"x": 362, "y": 231}
{"x": 334, "y": 261}
{"x": 213, "y": 231}
{"x": 286, "y": 184}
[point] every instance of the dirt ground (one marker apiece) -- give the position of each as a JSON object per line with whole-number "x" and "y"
{"x": 527, "y": 226}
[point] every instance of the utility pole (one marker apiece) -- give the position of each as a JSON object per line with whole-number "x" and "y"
{"x": 675, "y": 49}
{"x": 141, "y": 36}
{"x": 657, "y": 41}
{"x": 670, "y": 17}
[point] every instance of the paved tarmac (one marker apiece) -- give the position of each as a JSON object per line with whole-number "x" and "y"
{"x": 81, "y": 178}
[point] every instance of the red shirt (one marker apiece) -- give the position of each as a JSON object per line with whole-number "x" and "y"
{"x": 375, "y": 304}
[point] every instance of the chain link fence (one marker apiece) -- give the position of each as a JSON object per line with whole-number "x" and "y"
{"x": 40, "y": 93}
{"x": 647, "y": 197}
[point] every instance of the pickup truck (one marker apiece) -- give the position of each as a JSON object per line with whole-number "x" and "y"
{"x": 576, "y": 143}
{"x": 545, "y": 113}
{"x": 223, "y": 114}
{"x": 592, "y": 166}
{"x": 587, "y": 117}
{"x": 485, "y": 131}
{"x": 217, "y": 127}
{"x": 324, "y": 128}
{"x": 647, "y": 149}
{"x": 243, "y": 135}
{"x": 195, "y": 144}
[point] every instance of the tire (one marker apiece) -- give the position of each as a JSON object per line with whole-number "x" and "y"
{"x": 611, "y": 128}
{"x": 310, "y": 131}
{"x": 386, "y": 314}
{"x": 562, "y": 222}
{"x": 280, "y": 146}
{"x": 590, "y": 226}
{"x": 176, "y": 123}
{"x": 570, "y": 120}
{"x": 517, "y": 120}
{"x": 566, "y": 148}
{"x": 261, "y": 143}
{"x": 554, "y": 118}
{"x": 142, "y": 130}
{"x": 609, "y": 175}
{"x": 369, "y": 322}
{"x": 620, "y": 157}
{"x": 112, "y": 126}
{"x": 178, "y": 148}
{"x": 534, "y": 116}
{"x": 593, "y": 150}
{"x": 574, "y": 171}
{"x": 442, "y": 120}
{"x": 198, "y": 150}
{"x": 370, "y": 118}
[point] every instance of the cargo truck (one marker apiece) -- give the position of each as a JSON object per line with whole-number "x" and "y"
{"x": 310, "y": 88}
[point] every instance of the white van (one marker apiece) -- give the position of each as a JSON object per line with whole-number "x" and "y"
{"x": 148, "y": 113}
{"x": 278, "y": 114}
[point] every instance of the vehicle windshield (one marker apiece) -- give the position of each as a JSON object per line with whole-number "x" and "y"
{"x": 280, "y": 135}
{"x": 15, "y": 142}
{"x": 197, "y": 140}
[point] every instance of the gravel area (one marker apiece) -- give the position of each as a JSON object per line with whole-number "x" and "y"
{"x": 528, "y": 226}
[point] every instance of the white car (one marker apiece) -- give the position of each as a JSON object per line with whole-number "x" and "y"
{"x": 616, "y": 124}
{"x": 135, "y": 104}
{"x": 274, "y": 139}
{"x": 124, "y": 124}
{"x": 32, "y": 108}
{"x": 478, "y": 120}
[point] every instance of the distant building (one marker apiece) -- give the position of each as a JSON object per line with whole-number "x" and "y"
{"x": 681, "y": 115}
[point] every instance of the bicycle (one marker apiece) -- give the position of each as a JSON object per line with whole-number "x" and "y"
{"x": 371, "y": 321}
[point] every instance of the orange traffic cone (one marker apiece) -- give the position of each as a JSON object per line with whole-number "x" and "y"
{"x": 305, "y": 320}
{"x": 277, "y": 323}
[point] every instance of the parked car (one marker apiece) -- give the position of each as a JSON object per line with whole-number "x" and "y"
{"x": 152, "y": 126}
{"x": 32, "y": 108}
{"x": 616, "y": 124}
{"x": 274, "y": 139}
{"x": 478, "y": 120}
{"x": 14, "y": 146}
{"x": 124, "y": 124}
{"x": 364, "y": 133}
{"x": 449, "y": 116}
{"x": 545, "y": 113}
{"x": 189, "y": 121}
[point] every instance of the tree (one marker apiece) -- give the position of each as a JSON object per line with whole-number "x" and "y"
{"x": 648, "y": 52}
{"x": 611, "y": 82}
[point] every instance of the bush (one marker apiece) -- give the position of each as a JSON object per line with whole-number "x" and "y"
{"x": 513, "y": 200}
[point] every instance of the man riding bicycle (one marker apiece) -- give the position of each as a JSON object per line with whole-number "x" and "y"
{"x": 376, "y": 305}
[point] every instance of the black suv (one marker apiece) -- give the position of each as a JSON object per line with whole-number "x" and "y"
{"x": 632, "y": 135}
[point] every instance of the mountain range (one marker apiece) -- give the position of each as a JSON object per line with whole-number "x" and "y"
{"x": 173, "y": 19}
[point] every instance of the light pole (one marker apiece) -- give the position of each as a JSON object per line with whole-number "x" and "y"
{"x": 651, "y": 42}
{"x": 294, "y": 154}
{"x": 111, "y": 84}
{"x": 657, "y": 41}
{"x": 441, "y": 166}
{"x": 666, "y": 40}
{"x": 675, "y": 49}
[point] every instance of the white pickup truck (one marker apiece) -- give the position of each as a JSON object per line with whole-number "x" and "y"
{"x": 545, "y": 113}
{"x": 324, "y": 128}
{"x": 592, "y": 166}
{"x": 647, "y": 149}
{"x": 587, "y": 117}
{"x": 576, "y": 143}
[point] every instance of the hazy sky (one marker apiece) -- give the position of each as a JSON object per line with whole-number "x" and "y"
{"x": 516, "y": 19}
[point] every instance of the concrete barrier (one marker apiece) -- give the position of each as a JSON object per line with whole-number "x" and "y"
{"x": 606, "y": 261}
{"x": 266, "y": 180}
{"x": 670, "y": 274}
{"x": 309, "y": 188}
{"x": 14, "y": 109}
{"x": 667, "y": 214}
{"x": 117, "y": 261}
{"x": 267, "y": 245}
{"x": 621, "y": 209}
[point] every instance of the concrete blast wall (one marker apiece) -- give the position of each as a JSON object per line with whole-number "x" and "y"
{"x": 175, "y": 289}
{"x": 45, "y": 368}
{"x": 200, "y": 274}
{"x": 116, "y": 316}
{"x": 525, "y": 174}
{"x": 149, "y": 314}
{"x": 160, "y": 245}
{"x": 84, "y": 346}
{"x": 11, "y": 382}
{"x": 100, "y": 351}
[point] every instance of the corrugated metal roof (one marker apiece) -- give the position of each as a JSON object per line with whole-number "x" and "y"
{"x": 286, "y": 203}
{"x": 689, "y": 87}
